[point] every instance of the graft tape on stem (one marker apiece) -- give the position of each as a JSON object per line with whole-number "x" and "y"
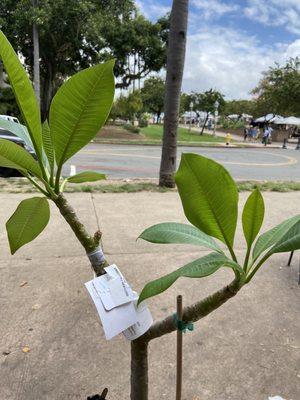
{"x": 96, "y": 256}
{"x": 181, "y": 325}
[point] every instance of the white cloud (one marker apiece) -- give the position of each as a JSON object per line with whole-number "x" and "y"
{"x": 152, "y": 9}
{"x": 212, "y": 9}
{"x": 230, "y": 61}
{"x": 275, "y": 13}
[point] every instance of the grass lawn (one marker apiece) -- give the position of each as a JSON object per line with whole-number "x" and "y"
{"x": 155, "y": 132}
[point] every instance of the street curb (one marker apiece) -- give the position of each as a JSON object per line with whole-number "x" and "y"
{"x": 187, "y": 144}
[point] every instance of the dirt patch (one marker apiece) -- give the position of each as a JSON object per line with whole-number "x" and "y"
{"x": 118, "y": 132}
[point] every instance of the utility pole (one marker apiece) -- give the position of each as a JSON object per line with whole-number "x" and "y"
{"x": 36, "y": 57}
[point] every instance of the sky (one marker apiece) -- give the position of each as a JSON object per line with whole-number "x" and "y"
{"x": 231, "y": 42}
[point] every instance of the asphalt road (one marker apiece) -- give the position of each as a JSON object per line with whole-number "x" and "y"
{"x": 127, "y": 161}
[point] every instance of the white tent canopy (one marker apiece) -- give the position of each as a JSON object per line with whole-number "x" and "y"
{"x": 290, "y": 121}
{"x": 270, "y": 118}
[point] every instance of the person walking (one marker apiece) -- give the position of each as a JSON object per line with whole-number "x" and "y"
{"x": 246, "y": 131}
{"x": 266, "y": 134}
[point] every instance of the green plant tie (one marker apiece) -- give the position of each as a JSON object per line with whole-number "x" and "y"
{"x": 181, "y": 325}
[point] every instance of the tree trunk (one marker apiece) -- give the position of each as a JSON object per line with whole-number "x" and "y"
{"x": 201, "y": 133}
{"x": 175, "y": 65}
{"x": 36, "y": 58}
{"x": 47, "y": 91}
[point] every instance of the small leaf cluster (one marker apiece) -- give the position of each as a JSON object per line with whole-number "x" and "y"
{"x": 77, "y": 112}
{"x": 210, "y": 202}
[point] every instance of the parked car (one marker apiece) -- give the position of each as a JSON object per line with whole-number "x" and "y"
{"x": 6, "y": 134}
{"x": 10, "y": 118}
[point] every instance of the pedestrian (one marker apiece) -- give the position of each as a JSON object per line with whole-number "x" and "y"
{"x": 266, "y": 134}
{"x": 246, "y": 131}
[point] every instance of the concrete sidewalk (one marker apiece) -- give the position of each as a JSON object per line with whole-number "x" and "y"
{"x": 249, "y": 349}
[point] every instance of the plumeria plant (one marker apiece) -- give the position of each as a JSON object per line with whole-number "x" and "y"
{"x": 208, "y": 193}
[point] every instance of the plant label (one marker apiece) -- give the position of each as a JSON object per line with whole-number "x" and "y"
{"x": 113, "y": 299}
{"x": 144, "y": 321}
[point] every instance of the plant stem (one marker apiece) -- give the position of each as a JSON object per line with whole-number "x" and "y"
{"x": 37, "y": 185}
{"x": 247, "y": 259}
{"x": 255, "y": 269}
{"x": 179, "y": 351}
{"x": 193, "y": 313}
{"x": 90, "y": 243}
{"x": 139, "y": 370}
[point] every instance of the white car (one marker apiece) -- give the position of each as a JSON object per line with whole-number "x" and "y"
{"x": 10, "y": 118}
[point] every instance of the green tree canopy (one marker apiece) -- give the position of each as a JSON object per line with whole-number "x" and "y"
{"x": 127, "y": 107}
{"x": 153, "y": 95}
{"x": 240, "y": 107}
{"x": 279, "y": 90}
{"x": 76, "y": 34}
{"x": 204, "y": 101}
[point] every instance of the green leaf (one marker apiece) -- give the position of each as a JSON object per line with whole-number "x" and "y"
{"x": 289, "y": 242}
{"x": 253, "y": 216}
{"x": 209, "y": 196}
{"x": 48, "y": 145}
{"x": 14, "y": 156}
{"x": 80, "y": 108}
{"x": 27, "y": 222}
{"x": 171, "y": 232}
{"x": 17, "y": 129}
{"x": 200, "y": 268}
{"x": 86, "y": 176}
{"x": 23, "y": 90}
{"x": 269, "y": 238}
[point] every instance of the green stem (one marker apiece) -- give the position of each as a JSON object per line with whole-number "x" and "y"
{"x": 247, "y": 259}
{"x": 233, "y": 256}
{"x": 37, "y": 185}
{"x": 255, "y": 269}
{"x": 58, "y": 173}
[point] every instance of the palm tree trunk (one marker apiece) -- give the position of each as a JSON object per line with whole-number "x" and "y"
{"x": 175, "y": 65}
{"x": 36, "y": 58}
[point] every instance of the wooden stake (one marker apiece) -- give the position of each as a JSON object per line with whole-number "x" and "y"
{"x": 179, "y": 350}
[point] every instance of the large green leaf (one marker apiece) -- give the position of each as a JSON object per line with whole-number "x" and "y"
{"x": 253, "y": 216}
{"x": 274, "y": 235}
{"x": 86, "y": 176}
{"x": 17, "y": 129}
{"x": 209, "y": 196}
{"x": 27, "y": 222}
{"x": 289, "y": 242}
{"x": 200, "y": 268}
{"x": 23, "y": 91}
{"x": 14, "y": 156}
{"x": 48, "y": 145}
{"x": 80, "y": 108}
{"x": 172, "y": 232}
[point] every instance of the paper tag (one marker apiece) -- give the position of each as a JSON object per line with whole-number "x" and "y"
{"x": 116, "y": 304}
{"x": 144, "y": 321}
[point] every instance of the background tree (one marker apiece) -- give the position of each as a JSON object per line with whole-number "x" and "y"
{"x": 175, "y": 66}
{"x": 8, "y": 105}
{"x": 77, "y": 34}
{"x": 205, "y": 102}
{"x": 240, "y": 107}
{"x": 127, "y": 107}
{"x": 279, "y": 90}
{"x": 152, "y": 95}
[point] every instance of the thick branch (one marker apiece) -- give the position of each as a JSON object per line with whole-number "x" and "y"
{"x": 194, "y": 312}
{"x": 90, "y": 243}
{"x": 139, "y": 370}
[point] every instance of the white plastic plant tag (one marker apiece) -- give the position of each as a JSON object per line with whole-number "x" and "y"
{"x": 144, "y": 321}
{"x": 113, "y": 299}
{"x": 119, "y": 289}
{"x": 115, "y": 320}
{"x": 276, "y": 398}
